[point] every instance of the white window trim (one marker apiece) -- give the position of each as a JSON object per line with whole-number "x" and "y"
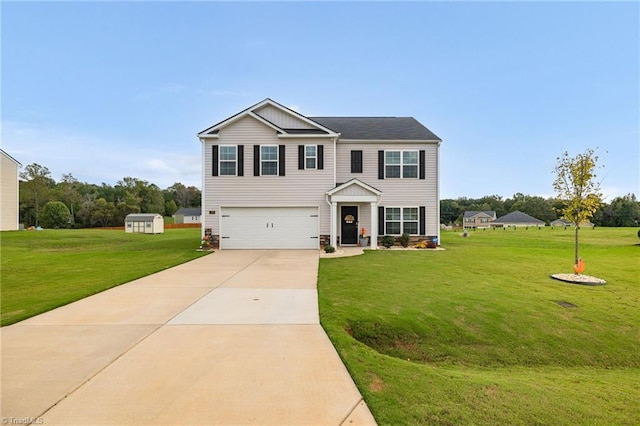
{"x": 270, "y": 161}
{"x": 220, "y": 160}
{"x": 315, "y": 157}
{"x": 402, "y": 151}
{"x": 402, "y": 221}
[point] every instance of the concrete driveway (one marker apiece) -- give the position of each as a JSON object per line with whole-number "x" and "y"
{"x": 231, "y": 338}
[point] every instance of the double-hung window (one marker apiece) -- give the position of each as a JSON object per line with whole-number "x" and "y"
{"x": 269, "y": 160}
{"x": 228, "y": 160}
{"x": 401, "y": 220}
{"x": 401, "y": 164}
{"x": 310, "y": 156}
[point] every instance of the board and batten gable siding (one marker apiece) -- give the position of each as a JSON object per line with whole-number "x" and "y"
{"x": 298, "y": 188}
{"x": 282, "y": 119}
{"x": 395, "y": 192}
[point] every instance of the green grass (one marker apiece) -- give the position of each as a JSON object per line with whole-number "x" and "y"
{"x": 474, "y": 334}
{"x": 42, "y": 270}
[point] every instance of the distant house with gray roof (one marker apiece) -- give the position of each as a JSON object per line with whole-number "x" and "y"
{"x": 188, "y": 215}
{"x": 566, "y": 223}
{"x": 516, "y": 219}
{"x": 474, "y": 219}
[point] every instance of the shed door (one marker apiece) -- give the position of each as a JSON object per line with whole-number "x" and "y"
{"x": 269, "y": 228}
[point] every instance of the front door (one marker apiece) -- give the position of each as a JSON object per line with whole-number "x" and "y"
{"x": 349, "y": 233}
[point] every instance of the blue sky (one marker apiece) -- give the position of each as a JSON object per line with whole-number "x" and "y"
{"x": 104, "y": 90}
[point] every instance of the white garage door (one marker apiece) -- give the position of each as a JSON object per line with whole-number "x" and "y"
{"x": 269, "y": 228}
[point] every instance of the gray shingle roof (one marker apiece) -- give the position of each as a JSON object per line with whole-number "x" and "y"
{"x": 189, "y": 211}
{"x": 517, "y": 217}
{"x": 377, "y": 128}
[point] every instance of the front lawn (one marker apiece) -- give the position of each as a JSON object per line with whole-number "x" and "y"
{"x": 42, "y": 270}
{"x": 476, "y": 334}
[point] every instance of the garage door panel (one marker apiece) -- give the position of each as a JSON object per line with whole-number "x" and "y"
{"x": 269, "y": 228}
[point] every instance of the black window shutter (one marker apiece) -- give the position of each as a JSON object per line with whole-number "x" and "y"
{"x": 380, "y": 220}
{"x": 281, "y": 160}
{"x": 214, "y": 160}
{"x": 422, "y": 220}
{"x": 256, "y": 160}
{"x": 320, "y": 153}
{"x": 422, "y": 166}
{"x": 356, "y": 161}
{"x": 240, "y": 160}
{"x": 300, "y": 157}
{"x": 380, "y": 164}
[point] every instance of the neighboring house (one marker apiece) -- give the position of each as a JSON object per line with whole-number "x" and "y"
{"x": 9, "y": 189}
{"x": 144, "y": 223}
{"x": 561, "y": 222}
{"x": 188, "y": 215}
{"x": 517, "y": 219}
{"x": 565, "y": 223}
{"x": 274, "y": 178}
{"x": 478, "y": 219}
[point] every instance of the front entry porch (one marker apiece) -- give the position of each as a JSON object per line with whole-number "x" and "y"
{"x": 350, "y": 202}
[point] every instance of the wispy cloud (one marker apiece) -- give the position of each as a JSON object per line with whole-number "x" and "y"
{"x": 95, "y": 158}
{"x": 224, "y": 92}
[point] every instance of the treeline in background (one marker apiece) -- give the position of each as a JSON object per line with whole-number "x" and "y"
{"x": 620, "y": 211}
{"x": 73, "y": 204}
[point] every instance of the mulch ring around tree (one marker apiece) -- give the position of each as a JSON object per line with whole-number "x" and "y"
{"x": 579, "y": 279}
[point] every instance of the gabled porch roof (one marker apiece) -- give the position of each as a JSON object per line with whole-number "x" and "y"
{"x": 354, "y": 191}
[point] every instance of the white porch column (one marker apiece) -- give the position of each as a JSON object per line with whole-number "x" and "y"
{"x": 374, "y": 226}
{"x": 334, "y": 225}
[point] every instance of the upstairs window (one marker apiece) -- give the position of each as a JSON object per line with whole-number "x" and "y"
{"x": 228, "y": 160}
{"x": 310, "y": 156}
{"x": 409, "y": 164}
{"x": 401, "y": 164}
{"x": 269, "y": 160}
{"x": 392, "y": 166}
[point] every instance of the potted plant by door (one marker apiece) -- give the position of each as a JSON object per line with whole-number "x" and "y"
{"x": 364, "y": 240}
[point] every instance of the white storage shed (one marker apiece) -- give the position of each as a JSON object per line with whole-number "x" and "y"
{"x": 144, "y": 223}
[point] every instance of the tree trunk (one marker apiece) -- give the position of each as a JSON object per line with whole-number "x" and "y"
{"x": 575, "y": 260}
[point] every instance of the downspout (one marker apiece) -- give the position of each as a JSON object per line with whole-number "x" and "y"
{"x": 203, "y": 204}
{"x": 438, "y": 191}
{"x": 333, "y": 215}
{"x": 335, "y": 166}
{"x": 332, "y": 222}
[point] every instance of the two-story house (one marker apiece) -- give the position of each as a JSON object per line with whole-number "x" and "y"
{"x": 475, "y": 219}
{"x": 274, "y": 178}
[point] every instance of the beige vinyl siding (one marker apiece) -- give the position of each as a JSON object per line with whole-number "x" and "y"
{"x": 282, "y": 119}
{"x": 8, "y": 194}
{"x": 395, "y": 192}
{"x": 299, "y": 188}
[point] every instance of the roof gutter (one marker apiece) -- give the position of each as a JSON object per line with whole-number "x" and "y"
{"x": 294, "y": 136}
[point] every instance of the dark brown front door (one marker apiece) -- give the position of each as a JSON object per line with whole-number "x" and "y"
{"x": 349, "y": 234}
